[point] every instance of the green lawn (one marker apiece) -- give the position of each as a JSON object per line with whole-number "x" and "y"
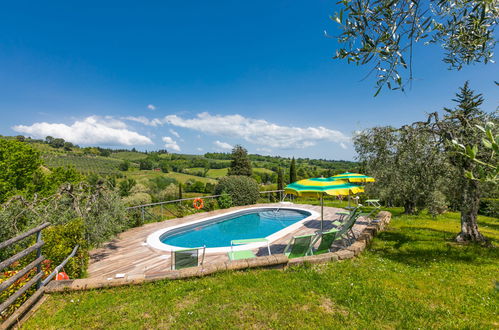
{"x": 218, "y": 173}
{"x": 129, "y": 155}
{"x": 412, "y": 276}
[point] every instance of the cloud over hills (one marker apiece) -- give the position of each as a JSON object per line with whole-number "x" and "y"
{"x": 257, "y": 131}
{"x": 93, "y": 130}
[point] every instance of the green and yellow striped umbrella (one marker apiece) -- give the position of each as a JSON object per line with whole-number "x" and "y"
{"x": 353, "y": 177}
{"x": 316, "y": 187}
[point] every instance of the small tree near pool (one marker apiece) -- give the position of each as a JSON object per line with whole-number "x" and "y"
{"x": 243, "y": 190}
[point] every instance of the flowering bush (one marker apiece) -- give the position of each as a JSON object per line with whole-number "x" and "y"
{"x": 16, "y": 268}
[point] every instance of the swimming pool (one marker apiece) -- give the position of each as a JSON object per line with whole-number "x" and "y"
{"x": 216, "y": 232}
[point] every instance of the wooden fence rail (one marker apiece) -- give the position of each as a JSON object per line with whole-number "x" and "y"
{"x": 36, "y": 279}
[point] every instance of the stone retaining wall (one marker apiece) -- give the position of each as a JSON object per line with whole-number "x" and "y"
{"x": 272, "y": 261}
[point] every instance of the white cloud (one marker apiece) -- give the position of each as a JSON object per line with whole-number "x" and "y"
{"x": 151, "y": 107}
{"x": 258, "y": 131}
{"x": 199, "y": 149}
{"x": 144, "y": 121}
{"x": 170, "y": 143}
{"x": 222, "y": 145}
{"x": 174, "y": 133}
{"x": 265, "y": 151}
{"x": 93, "y": 130}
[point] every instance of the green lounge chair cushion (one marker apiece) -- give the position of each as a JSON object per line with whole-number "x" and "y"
{"x": 238, "y": 255}
{"x": 300, "y": 246}
{"x": 327, "y": 240}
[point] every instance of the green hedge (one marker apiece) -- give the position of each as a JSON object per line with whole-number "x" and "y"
{"x": 60, "y": 241}
{"x": 243, "y": 190}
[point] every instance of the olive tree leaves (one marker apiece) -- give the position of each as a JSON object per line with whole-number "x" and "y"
{"x": 490, "y": 142}
{"x": 383, "y": 33}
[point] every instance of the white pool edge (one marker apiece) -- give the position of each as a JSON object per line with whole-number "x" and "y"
{"x": 153, "y": 240}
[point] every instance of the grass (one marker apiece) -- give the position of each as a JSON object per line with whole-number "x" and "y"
{"x": 221, "y": 172}
{"x": 143, "y": 176}
{"x": 83, "y": 163}
{"x": 129, "y": 155}
{"x": 412, "y": 276}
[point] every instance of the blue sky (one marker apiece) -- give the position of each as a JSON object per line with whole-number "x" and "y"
{"x": 197, "y": 76}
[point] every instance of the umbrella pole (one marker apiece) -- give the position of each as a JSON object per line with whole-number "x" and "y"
{"x": 322, "y": 210}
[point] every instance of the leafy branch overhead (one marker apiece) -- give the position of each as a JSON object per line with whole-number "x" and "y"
{"x": 490, "y": 142}
{"x": 384, "y": 33}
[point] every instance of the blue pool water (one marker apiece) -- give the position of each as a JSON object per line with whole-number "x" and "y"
{"x": 219, "y": 232}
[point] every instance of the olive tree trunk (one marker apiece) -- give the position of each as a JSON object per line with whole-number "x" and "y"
{"x": 470, "y": 202}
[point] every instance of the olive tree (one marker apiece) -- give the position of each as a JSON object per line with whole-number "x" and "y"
{"x": 459, "y": 124}
{"x": 407, "y": 163}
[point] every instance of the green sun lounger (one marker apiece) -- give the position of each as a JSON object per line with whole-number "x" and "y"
{"x": 299, "y": 246}
{"x": 327, "y": 240}
{"x": 187, "y": 258}
{"x": 245, "y": 254}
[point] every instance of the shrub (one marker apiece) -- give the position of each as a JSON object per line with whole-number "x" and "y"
{"x": 243, "y": 190}
{"x": 4, "y": 295}
{"x": 125, "y": 187}
{"x": 60, "y": 241}
{"x": 168, "y": 193}
{"x": 210, "y": 204}
{"x": 124, "y": 165}
{"x": 194, "y": 186}
{"x": 437, "y": 204}
{"x": 139, "y": 198}
{"x": 145, "y": 164}
{"x": 489, "y": 207}
{"x": 224, "y": 201}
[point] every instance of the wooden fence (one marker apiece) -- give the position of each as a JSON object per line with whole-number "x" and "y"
{"x": 37, "y": 279}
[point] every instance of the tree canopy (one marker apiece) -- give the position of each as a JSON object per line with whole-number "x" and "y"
{"x": 417, "y": 166}
{"x": 383, "y": 33}
{"x": 240, "y": 165}
{"x": 19, "y": 163}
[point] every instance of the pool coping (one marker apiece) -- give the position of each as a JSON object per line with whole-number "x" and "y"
{"x": 153, "y": 240}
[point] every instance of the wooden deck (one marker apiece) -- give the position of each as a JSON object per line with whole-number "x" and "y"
{"x": 129, "y": 254}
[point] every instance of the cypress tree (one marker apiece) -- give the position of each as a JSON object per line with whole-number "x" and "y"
{"x": 292, "y": 171}
{"x": 179, "y": 191}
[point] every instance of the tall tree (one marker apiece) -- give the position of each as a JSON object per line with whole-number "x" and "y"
{"x": 240, "y": 164}
{"x": 407, "y": 163}
{"x": 384, "y": 33}
{"x": 459, "y": 124}
{"x": 292, "y": 171}
{"x": 19, "y": 163}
